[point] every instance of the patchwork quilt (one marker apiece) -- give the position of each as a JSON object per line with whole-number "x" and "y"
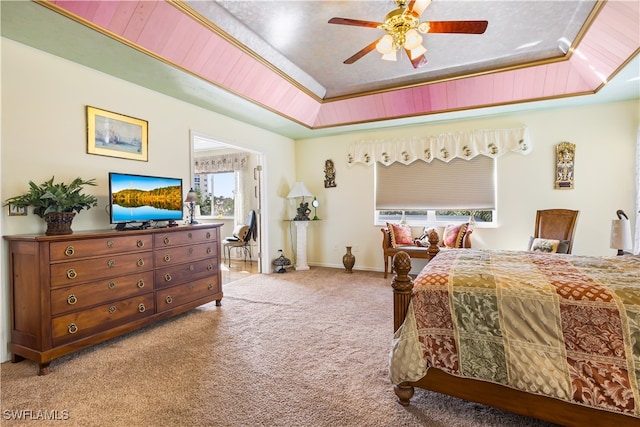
{"x": 563, "y": 326}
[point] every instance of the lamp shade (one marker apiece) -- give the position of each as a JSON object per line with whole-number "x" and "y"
{"x": 299, "y": 190}
{"x": 620, "y": 234}
{"x": 191, "y": 196}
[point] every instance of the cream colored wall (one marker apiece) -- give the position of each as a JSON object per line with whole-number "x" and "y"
{"x": 44, "y": 134}
{"x": 605, "y": 138}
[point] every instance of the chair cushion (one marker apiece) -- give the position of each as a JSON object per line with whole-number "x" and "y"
{"x": 453, "y": 235}
{"x": 400, "y": 235}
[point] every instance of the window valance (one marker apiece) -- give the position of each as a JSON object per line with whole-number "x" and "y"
{"x": 445, "y": 146}
{"x": 220, "y": 163}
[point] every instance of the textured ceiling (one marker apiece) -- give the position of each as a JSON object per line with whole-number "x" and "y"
{"x": 296, "y": 37}
{"x": 278, "y": 65}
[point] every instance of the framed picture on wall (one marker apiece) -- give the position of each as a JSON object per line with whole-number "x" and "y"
{"x": 115, "y": 135}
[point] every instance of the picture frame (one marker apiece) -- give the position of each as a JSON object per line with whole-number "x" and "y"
{"x": 15, "y": 210}
{"x": 116, "y": 135}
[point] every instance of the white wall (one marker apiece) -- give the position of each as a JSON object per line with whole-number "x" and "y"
{"x": 605, "y": 138}
{"x": 44, "y": 134}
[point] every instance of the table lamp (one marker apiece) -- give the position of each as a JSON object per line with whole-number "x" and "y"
{"x": 620, "y": 233}
{"x": 300, "y": 190}
{"x": 191, "y": 200}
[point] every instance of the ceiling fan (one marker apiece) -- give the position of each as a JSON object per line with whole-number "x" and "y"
{"x": 403, "y": 29}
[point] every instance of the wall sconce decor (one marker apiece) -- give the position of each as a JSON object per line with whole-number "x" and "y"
{"x": 329, "y": 174}
{"x": 565, "y": 157}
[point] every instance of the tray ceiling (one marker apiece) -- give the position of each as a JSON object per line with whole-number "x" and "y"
{"x": 279, "y": 64}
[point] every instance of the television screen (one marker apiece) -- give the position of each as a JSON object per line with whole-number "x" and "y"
{"x": 143, "y": 199}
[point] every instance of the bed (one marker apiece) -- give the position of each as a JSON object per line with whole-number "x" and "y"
{"x": 555, "y": 337}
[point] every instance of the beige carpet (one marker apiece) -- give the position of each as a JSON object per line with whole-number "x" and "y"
{"x": 305, "y": 348}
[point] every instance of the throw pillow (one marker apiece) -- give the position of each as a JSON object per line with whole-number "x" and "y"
{"x": 563, "y": 246}
{"x": 545, "y": 245}
{"x": 453, "y": 236}
{"x": 400, "y": 235}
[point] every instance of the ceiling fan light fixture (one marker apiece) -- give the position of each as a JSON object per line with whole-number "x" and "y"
{"x": 416, "y": 52}
{"x": 424, "y": 27}
{"x": 385, "y": 45}
{"x": 412, "y": 39}
{"x": 390, "y": 56}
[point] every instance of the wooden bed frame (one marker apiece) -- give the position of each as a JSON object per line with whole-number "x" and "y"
{"x": 498, "y": 396}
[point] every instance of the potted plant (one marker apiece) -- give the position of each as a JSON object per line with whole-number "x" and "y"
{"x": 56, "y": 203}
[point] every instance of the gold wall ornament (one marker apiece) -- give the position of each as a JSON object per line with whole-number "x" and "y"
{"x": 565, "y": 162}
{"x": 329, "y": 174}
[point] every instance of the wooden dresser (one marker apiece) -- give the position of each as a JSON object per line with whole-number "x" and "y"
{"x": 73, "y": 291}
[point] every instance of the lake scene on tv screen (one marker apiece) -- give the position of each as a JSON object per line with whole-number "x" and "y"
{"x": 143, "y": 198}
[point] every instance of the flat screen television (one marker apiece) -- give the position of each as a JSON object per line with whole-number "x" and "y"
{"x": 143, "y": 201}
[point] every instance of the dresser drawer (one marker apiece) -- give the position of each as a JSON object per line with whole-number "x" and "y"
{"x": 180, "y": 273}
{"x": 175, "y": 255}
{"x": 83, "y": 323}
{"x": 74, "y": 249}
{"x": 88, "y": 270}
{"x": 184, "y": 237}
{"x": 168, "y": 298}
{"x": 79, "y": 297}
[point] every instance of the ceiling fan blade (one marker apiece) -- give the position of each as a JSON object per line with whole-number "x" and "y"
{"x": 464, "y": 27}
{"x": 417, "y": 62}
{"x": 416, "y": 7}
{"x": 354, "y": 22}
{"x": 362, "y": 52}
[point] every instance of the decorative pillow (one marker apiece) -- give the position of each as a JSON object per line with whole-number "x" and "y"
{"x": 453, "y": 235}
{"x": 563, "y": 246}
{"x": 545, "y": 245}
{"x": 400, "y": 235}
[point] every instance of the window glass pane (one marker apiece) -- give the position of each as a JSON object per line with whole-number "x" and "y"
{"x": 215, "y": 193}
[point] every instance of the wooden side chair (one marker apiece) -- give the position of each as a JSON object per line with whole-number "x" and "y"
{"x": 556, "y": 224}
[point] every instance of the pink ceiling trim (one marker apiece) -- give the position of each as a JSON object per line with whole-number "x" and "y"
{"x": 166, "y": 32}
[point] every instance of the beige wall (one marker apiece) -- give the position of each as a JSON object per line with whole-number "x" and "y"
{"x": 44, "y": 134}
{"x": 605, "y": 138}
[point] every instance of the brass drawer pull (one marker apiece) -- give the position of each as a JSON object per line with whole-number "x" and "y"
{"x": 208, "y": 234}
{"x": 191, "y": 286}
{"x": 166, "y": 240}
{"x": 112, "y": 309}
{"x": 167, "y": 258}
{"x": 111, "y": 263}
{"x": 168, "y": 299}
{"x": 111, "y": 285}
{"x": 210, "y": 286}
{"x": 140, "y": 243}
{"x": 71, "y": 273}
{"x": 190, "y": 235}
{"x": 167, "y": 277}
{"x": 192, "y": 267}
{"x": 140, "y": 262}
{"x": 141, "y": 308}
{"x": 73, "y": 328}
{"x": 69, "y": 251}
{"x": 209, "y": 250}
{"x": 210, "y": 267}
{"x": 71, "y": 299}
{"x": 110, "y": 244}
{"x": 141, "y": 283}
{"x": 190, "y": 251}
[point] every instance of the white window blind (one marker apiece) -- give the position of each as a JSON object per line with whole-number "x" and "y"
{"x": 458, "y": 184}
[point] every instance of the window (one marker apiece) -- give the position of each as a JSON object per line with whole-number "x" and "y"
{"x": 436, "y": 192}
{"x": 216, "y": 193}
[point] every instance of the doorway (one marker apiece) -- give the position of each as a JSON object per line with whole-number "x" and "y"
{"x": 210, "y": 155}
